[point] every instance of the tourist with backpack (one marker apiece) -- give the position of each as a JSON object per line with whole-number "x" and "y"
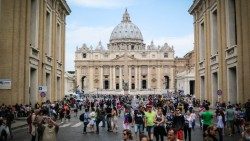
{"x": 127, "y": 119}
{"x": 84, "y": 117}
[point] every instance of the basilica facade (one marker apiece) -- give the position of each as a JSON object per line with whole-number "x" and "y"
{"x": 127, "y": 65}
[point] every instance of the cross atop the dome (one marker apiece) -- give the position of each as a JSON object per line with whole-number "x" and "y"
{"x": 126, "y": 17}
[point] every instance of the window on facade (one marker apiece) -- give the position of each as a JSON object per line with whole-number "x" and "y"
{"x": 166, "y": 82}
{"x": 144, "y": 84}
{"x": 144, "y": 76}
{"x": 117, "y": 86}
{"x": 106, "y": 84}
{"x": 144, "y": 55}
{"x": 153, "y": 56}
{"x": 117, "y": 56}
{"x": 132, "y": 47}
{"x": 96, "y": 56}
{"x": 133, "y": 76}
{"x": 132, "y": 86}
{"x": 165, "y": 55}
{"x": 133, "y": 56}
{"x": 84, "y": 55}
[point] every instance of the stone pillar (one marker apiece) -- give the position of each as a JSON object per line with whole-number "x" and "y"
{"x": 149, "y": 79}
{"x": 91, "y": 79}
{"x": 120, "y": 77}
{"x": 136, "y": 81}
{"x": 101, "y": 78}
{"x": 110, "y": 78}
{"x": 158, "y": 78}
{"x": 172, "y": 80}
{"x": 139, "y": 76}
{"x": 114, "y": 77}
{"x": 129, "y": 78}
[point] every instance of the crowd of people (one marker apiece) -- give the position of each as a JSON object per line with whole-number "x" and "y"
{"x": 144, "y": 118}
{"x": 155, "y": 117}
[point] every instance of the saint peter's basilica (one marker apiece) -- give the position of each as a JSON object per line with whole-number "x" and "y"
{"x": 127, "y": 65}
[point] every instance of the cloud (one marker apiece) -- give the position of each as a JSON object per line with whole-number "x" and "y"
{"x": 182, "y": 45}
{"x": 103, "y": 3}
{"x": 89, "y": 35}
{"x": 77, "y": 35}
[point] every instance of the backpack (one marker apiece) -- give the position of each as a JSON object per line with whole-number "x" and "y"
{"x": 129, "y": 118}
{"x": 81, "y": 118}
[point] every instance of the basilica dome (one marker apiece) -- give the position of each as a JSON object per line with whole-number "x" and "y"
{"x": 126, "y": 31}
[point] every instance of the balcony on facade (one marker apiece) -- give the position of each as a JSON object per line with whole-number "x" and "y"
{"x": 231, "y": 52}
{"x": 59, "y": 65}
{"x": 34, "y": 53}
{"x": 48, "y": 59}
{"x": 214, "y": 59}
{"x": 202, "y": 64}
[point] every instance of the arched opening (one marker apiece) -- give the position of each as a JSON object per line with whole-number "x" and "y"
{"x": 166, "y": 82}
{"x": 82, "y": 82}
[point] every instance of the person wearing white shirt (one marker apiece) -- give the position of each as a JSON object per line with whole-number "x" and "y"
{"x": 188, "y": 125}
{"x": 220, "y": 124}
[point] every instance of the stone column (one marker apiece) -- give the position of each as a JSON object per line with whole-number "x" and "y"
{"x": 139, "y": 76}
{"x": 110, "y": 78}
{"x": 172, "y": 79}
{"x": 158, "y": 78}
{"x": 149, "y": 79}
{"x": 101, "y": 78}
{"x": 129, "y": 78}
{"x": 120, "y": 77}
{"x": 114, "y": 77}
{"x": 136, "y": 81}
{"x": 91, "y": 79}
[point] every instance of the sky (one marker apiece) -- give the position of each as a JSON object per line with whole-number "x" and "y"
{"x": 160, "y": 21}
